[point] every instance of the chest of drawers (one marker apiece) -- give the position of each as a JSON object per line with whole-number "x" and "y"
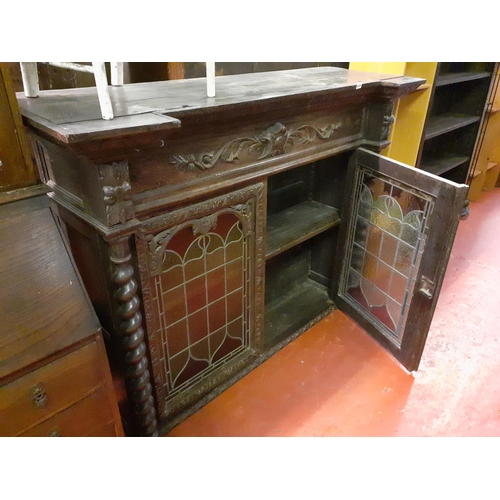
{"x": 54, "y": 374}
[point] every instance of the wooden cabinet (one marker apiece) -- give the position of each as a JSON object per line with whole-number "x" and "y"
{"x": 17, "y": 169}
{"x": 440, "y": 129}
{"x": 211, "y": 232}
{"x": 456, "y": 115}
{"x": 54, "y": 375}
{"x": 487, "y": 167}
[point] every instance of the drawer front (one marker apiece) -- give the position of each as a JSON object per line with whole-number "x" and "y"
{"x": 48, "y": 390}
{"x": 90, "y": 417}
{"x": 108, "y": 430}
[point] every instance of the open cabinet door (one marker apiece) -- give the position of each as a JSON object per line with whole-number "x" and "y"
{"x": 397, "y": 230}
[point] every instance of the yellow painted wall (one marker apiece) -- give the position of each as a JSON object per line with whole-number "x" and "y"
{"x": 410, "y": 115}
{"x": 410, "y": 111}
{"x": 391, "y": 68}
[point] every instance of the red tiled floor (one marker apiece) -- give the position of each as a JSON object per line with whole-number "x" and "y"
{"x": 336, "y": 381}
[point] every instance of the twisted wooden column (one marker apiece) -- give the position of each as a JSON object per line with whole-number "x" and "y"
{"x": 137, "y": 377}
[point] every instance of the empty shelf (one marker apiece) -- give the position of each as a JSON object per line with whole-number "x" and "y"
{"x": 438, "y": 166}
{"x": 442, "y": 124}
{"x": 450, "y": 78}
{"x": 298, "y": 223}
{"x": 293, "y": 310}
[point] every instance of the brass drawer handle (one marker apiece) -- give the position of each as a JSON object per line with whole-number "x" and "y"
{"x": 38, "y": 395}
{"x": 55, "y": 432}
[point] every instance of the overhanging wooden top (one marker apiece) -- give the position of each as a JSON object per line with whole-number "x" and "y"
{"x": 73, "y": 115}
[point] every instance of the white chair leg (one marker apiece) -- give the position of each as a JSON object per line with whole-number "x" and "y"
{"x": 116, "y": 73}
{"x": 210, "y": 67}
{"x": 101, "y": 81}
{"x": 29, "y": 71}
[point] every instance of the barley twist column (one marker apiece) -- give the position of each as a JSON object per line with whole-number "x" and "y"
{"x": 137, "y": 376}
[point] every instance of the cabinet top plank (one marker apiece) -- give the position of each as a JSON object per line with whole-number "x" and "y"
{"x": 73, "y": 115}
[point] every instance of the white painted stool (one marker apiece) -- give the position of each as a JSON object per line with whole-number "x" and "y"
{"x": 29, "y": 72}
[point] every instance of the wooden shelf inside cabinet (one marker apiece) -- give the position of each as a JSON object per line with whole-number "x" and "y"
{"x": 442, "y": 124}
{"x": 296, "y": 224}
{"x": 438, "y": 166}
{"x": 466, "y": 76}
{"x": 293, "y": 310}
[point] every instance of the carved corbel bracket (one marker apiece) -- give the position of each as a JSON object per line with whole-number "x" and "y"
{"x": 116, "y": 192}
{"x": 378, "y": 125}
{"x": 387, "y": 122}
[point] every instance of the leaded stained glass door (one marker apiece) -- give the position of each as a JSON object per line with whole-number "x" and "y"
{"x": 202, "y": 273}
{"x": 397, "y": 230}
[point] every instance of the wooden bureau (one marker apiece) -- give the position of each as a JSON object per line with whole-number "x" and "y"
{"x": 54, "y": 374}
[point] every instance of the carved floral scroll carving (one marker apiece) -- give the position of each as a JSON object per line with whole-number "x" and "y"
{"x": 158, "y": 243}
{"x": 273, "y": 141}
{"x": 203, "y": 225}
{"x": 201, "y": 209}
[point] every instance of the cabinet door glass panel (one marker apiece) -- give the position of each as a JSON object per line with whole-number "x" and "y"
{"x": 395, "y": 239}
{"x": 201, "y": 300}
{"x": 388, "y": 241}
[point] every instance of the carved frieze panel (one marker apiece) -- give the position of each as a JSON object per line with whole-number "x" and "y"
{"x": 202, "y": 275}
{"x": 275, "y": 140}
{"x": 214, "y": 157}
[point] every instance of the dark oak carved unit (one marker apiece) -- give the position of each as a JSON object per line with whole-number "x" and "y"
{"x": 210, "y": 232}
